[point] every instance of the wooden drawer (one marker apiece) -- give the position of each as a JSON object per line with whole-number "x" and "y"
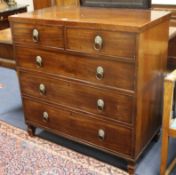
{"x": 114, "y": 73}
{"x": 105, "y": 103}
{"x": 105, "y": 135}
{"x": 119, "y": 44}
{"x": 38, "y": 35}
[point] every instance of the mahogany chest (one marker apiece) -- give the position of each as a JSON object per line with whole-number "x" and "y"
{"x": 93, "y": 75}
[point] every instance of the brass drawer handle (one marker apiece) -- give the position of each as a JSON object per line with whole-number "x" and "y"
{"x": 98, "y": 43}
{"x": 45, "y": 117}
{"x": 100, "y": 104}
{"x": 42, "y": 89}
{"x": 101, "y": 134}
{"x": 100, "y": 73}
{"x": 35, "y": 35}
{"x": 1, "y": 18}
{"x": 39, "y": 61}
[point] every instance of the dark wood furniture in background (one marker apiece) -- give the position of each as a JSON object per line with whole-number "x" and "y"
{"x": 6, "y": 49}
{"x": 4, "y": 13}
{"x": 49, "y": 3}
{"x": 145, "y": 4}
{"x": 6, "y": 44}
{"x": 171, "y": 8}
{"x": 45, "y": 3}
{"x": 172, "y": 39}
{"x": 172, "y": 49}
{"x": 67, "y": 2}
{"x": 103, "y": 3}
{"x": 97, "y": 81}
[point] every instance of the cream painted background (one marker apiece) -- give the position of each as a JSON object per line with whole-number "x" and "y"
{"x": 30, "y": 2}
{"x": 164, "y": 1}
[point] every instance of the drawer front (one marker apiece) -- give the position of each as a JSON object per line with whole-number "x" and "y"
{"x": 105, "y": 103}
{"x": 104, "y": 72}
{"x": 80, "y": 127}
{"x": 38, "y": 35}
{"x": 101, "y": 42}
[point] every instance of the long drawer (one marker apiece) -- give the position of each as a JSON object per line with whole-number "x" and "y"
{"x": 106, "y": 103}
{"x": 99, "y": 42}
{"x": 79, "y": 127}
{"x": 38, "y": 35}
{"x": 100, "y": 71}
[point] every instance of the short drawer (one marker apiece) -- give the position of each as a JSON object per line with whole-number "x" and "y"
{"x": 38, "y": 35}
{"x": 100, "y": 71}
{"x": 101, "y": 42}
{"x": 98, "y": 133}
{"x": 105, "y": 103}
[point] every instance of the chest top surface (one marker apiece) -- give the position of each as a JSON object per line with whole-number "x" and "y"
{"x": 105, "y": 18}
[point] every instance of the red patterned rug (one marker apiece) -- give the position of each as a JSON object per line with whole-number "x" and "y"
{"x": 21, "y": 154}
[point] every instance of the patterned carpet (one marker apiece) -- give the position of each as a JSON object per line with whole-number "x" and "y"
{"x": 21, "y": 154}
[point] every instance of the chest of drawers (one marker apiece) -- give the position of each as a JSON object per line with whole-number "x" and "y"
{"x": 93, "y": 75}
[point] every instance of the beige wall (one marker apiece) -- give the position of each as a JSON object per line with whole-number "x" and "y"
{"x": 164, "y": 1}
{"x": 29, "y": 2}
